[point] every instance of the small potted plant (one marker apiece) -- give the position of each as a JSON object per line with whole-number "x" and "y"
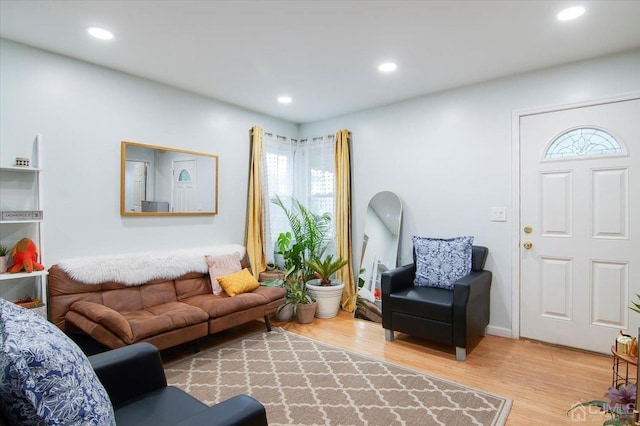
{"x": 4, "y": 251}
{"x": 326, "y": 291}
{"x": 302, "y": 304}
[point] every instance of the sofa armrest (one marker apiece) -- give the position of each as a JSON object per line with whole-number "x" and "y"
{"x": 398, "y": 278}
{"x": 109, "y": 318}
{"x": 130, "y": 371}
{"x": 241, "y": 410}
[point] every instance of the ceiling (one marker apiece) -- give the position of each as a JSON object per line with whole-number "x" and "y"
{"x": 323, "y": 54}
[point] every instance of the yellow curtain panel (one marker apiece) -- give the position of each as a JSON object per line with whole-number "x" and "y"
{"x": 255, "y": 235}
{"x": 343, "y": 218}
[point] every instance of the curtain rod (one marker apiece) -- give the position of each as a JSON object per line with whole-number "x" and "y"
{"x": 314, "y": 139}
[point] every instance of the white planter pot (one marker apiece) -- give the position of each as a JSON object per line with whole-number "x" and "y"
{"x": 328, "y": 297}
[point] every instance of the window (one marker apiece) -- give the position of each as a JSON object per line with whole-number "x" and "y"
{"x": 184, "y": 176}
{"x": 300, "y": 169}
{"x": 582, "y": 142}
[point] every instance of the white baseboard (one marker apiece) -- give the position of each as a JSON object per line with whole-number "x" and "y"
{"x": 499, "y": 331}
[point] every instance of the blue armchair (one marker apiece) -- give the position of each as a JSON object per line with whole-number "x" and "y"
{"x": 457, "y": 317}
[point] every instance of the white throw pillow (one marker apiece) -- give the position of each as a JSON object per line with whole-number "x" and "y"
{"x": 220, "y": 266}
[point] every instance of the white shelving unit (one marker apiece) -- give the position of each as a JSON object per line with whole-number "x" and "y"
{"x": 21, "y": 190}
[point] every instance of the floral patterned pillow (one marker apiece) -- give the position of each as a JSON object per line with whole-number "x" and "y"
{"x": 441, "y": 262}
{"x": 44, "y": 376}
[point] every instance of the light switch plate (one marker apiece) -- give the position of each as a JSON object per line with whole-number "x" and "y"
{"x": 498, "y": 214}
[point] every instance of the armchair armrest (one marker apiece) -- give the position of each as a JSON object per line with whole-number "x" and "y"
{"x": 470, "y": 287}
{"x": 129, "y": 371}
{"x": 398, "y": 278}
{"x": 471, "y": 306}
{"x": 241, "y": 410}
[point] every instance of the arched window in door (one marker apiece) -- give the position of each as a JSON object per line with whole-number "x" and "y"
{"x": 583, "y": 142}
{"x": 184, "y": 176}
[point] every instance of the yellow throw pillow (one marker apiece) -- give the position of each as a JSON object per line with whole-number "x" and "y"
{"x": 238, "y": 282}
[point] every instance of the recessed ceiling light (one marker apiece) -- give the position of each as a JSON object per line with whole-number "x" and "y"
{"x": 284, "y": 99}
{"x": 100, "y": 33}
{"x": 570, "y": 13}
{"x": 387, "y": 67}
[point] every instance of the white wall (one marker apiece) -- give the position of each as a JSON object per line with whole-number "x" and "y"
{"x": 83, "y": 113}
{"x": 448, "y": 157}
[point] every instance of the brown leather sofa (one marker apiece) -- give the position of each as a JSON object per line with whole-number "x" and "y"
{"x": 164, "y": 313}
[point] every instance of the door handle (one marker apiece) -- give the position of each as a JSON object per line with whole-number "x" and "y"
{"x": 527, "y": 245}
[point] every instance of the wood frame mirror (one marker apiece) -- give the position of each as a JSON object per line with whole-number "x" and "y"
{"x": 161, "y": 181}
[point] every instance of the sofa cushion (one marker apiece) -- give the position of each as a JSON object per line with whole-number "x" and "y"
{"x": 271, "y": 294}
{"x": 219, "y": 306}
{"x": 132, "y": 298}
{"x": 44, "y": 377}
{"x": 424, "y": 302}
{"x": 133, "y": 326}
{"x": 440, "y": 262}
{"x": 220, "y": 266}
{"x": 238, "y": 282}
{"x": 192, "y": 284}
{"x": 110, "y": 319}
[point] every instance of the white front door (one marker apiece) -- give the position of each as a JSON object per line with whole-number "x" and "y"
{"x": 579, "y": 224}
{"x": 137, "y": 192}
{"x": 184, "y": 185}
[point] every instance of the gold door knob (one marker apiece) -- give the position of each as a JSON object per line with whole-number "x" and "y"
{"x": 528, "y": 229}
{"x": 527, "y": 245}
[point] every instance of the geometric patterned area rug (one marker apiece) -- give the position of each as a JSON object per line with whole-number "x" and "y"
{"x": 301, "y": 381}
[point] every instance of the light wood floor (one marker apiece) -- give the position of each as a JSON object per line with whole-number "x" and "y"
{"x": 542, "y": 380}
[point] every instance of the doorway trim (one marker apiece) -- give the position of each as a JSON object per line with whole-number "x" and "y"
{"x": 516, "y": 115}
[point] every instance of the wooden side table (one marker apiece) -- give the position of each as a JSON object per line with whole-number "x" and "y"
{"x": 618, "y": 358}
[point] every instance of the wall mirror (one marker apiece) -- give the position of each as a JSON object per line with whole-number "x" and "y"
{"x": 159, "y": 181}
{"x": 379, "y": 252}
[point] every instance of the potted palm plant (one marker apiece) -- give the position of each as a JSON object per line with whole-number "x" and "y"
{"x": 324, "y": 290}
{"x": 306, "y": 240}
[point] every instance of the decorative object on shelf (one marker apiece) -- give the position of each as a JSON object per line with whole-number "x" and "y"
{"x": 621, "y": 405}
{"x": 25, "y": 257}
{"x": 4, "y": 251}
{"x": 22, "y": 215}
{"x": 22, "y": 162}
{"x": 29, "y": 302}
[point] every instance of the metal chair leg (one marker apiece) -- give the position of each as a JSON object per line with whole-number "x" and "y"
{"x": 389, "y": 336}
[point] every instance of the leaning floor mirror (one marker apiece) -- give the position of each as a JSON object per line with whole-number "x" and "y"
{"x": 379, "y": 252}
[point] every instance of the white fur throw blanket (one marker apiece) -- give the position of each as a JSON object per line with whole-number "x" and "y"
{"x": 139, "y": 268}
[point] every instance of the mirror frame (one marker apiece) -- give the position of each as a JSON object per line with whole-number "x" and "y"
{"x": 123, "y": 160}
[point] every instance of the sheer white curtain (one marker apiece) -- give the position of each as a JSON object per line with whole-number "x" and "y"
{"x": 301, "y": 169}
